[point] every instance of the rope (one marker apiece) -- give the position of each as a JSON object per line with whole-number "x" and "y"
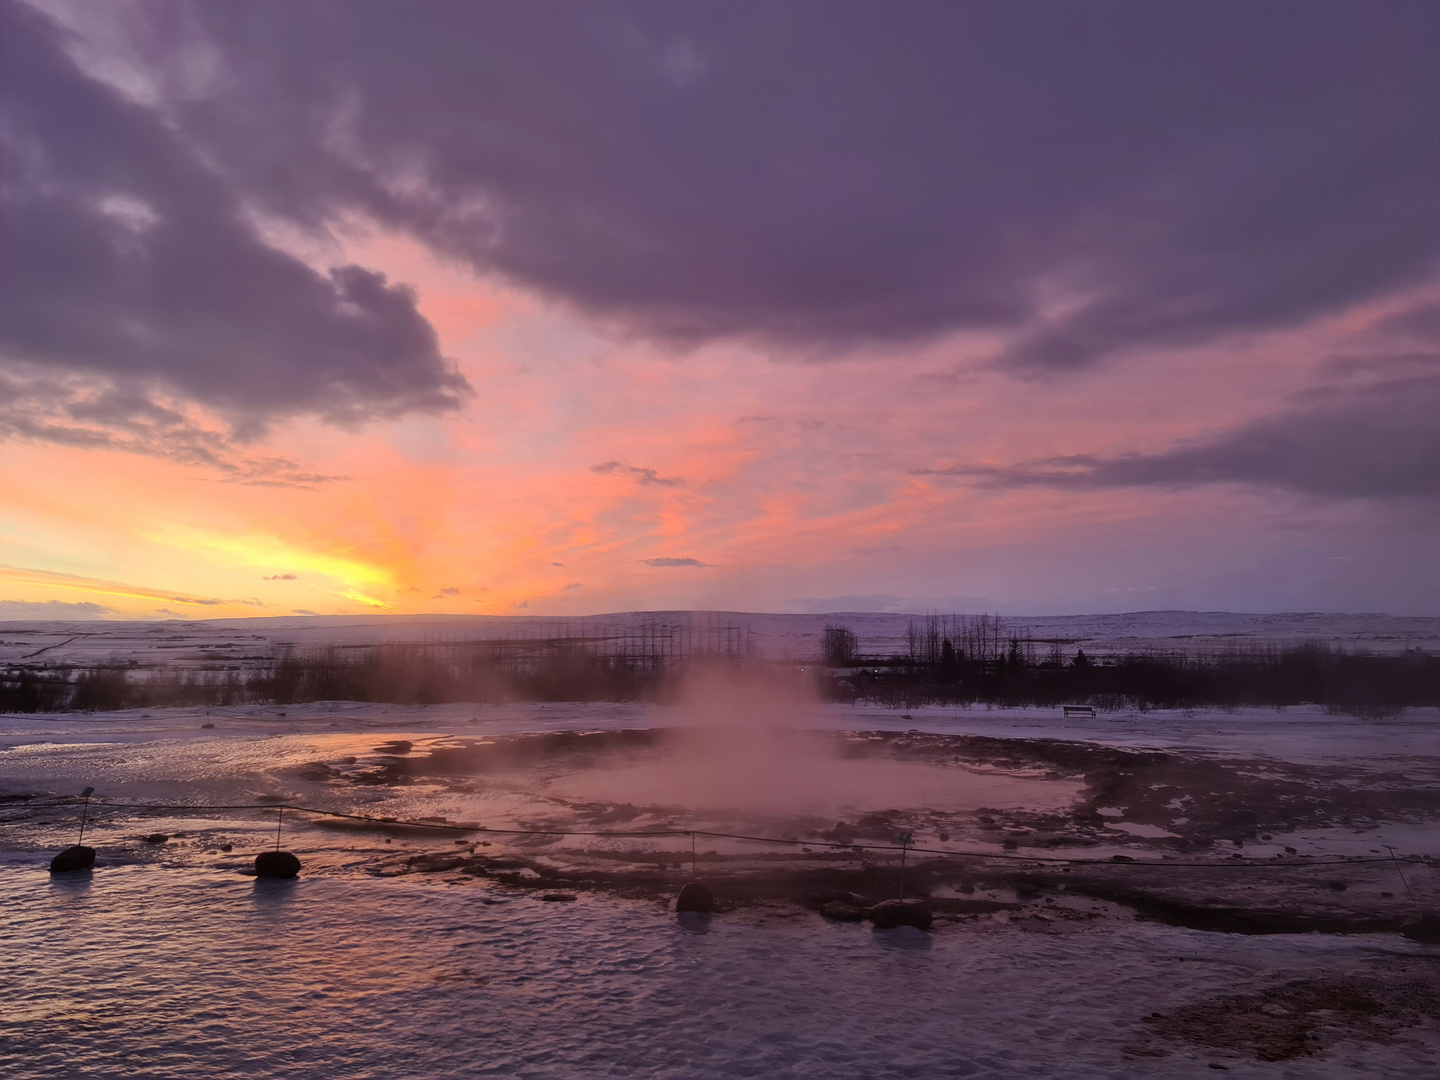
{"x": 1228, "y": 864}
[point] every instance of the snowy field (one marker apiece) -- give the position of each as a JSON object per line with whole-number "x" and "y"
{"x": 769, "y": 636}
{"x": 403, "y": 953}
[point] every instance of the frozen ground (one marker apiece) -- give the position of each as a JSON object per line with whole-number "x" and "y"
{"x": 402, "y": 953}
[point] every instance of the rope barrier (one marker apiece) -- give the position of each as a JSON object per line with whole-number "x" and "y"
{"x": 1228, "y": 864}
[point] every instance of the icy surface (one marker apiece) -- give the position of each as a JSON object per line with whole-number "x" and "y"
{"x": 141, "y": 971}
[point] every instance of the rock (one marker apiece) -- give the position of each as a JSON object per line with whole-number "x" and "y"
{"x": 1121, "y": 858}
{"x": 1424, "y": 928}
{"x": 280, "y": 864}
{"x": 889, "y": 914}
{"x": 1291, "y": 851}
{"x": 558, "y": 897}
{"x": 1011, "y": 845}
{"x": 1338, "y": 886}
{"x": 74, "y": 857}
{"x": 156, "y": 838}
{"x": 695, "y": 897}
{"x": 841, "y": 911}
{"x": 205, "y": 726}
{"x": 944, "y": 836}
{"x": 227, "y": 847}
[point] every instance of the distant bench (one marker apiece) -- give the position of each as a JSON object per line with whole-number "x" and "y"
{"x": 1079, "y": 710}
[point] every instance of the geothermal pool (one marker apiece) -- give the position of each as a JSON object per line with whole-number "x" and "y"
{"x": 186, "y": 972}
{"x": 401, "y": 953}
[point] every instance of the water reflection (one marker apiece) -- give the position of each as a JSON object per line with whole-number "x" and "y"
{"x": 72, "y": 882}
{"x": 273, "y": 891}
{"x": 903, "y": 937}
{"x": 696, "y": 922}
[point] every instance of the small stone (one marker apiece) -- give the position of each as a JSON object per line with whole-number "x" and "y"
{"x": 1337, "y": 886}
{"x": 558, "y": 897}
{"x": 205, "y": 726}
{"x": 944, "y": 836}
{"x": 889, "y": 914}
{"x": 156, "y": 838}
{"x": 227, "y": 847}
{"x": 74, "y": 857}
{"x": 695, "y": 897}
{"x": 276, "y": 864}
{"x": 1388, "y": 895}
{"x": 1291, "y": 851}
{"x": 1121, "y": 858}
{"x": 840, "y": 911}
{"x": 1011, "y": 845}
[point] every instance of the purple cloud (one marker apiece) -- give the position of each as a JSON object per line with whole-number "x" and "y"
{"x": 1098, "y": 179}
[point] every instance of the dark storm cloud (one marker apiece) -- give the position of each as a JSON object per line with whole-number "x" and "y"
{"x": 1090, "y": 177}
{"x": 1085, "y": 178}
{"x": 130, "y": 270}
{"x": 1379, "y": 442}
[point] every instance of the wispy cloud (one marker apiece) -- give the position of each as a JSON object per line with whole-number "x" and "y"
{"x": 1377, "y": 442}
{"x": 637, "y": 473}
{"x": 668, "y": 561}
{"x": 52, "y": 609}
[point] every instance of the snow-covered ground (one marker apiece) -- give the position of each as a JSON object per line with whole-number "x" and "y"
{"x": 772, "y": 636}
{"x": 167, "y": 962}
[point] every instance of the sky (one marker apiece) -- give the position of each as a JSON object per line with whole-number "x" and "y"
{"x": 1025, "y": 306}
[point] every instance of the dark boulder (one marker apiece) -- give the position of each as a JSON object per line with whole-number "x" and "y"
{"x": 279, "y": 864}
{"x": 840, "y": 911}
{"x": 695, "y": 897}
{"x": 1424, "y": 928}
{"x": 558, "y": 897}
{"x": 156, "y": 838}
{"x": 889, "y": 914}
{"x": 75, "y": 857}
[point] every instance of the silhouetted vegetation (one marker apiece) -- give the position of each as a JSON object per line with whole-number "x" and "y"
{"x": 961, "y": 661}
{"x": 949, "y": 660}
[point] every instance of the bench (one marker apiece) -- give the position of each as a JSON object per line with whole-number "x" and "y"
{"x": 1079, "y": 710}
